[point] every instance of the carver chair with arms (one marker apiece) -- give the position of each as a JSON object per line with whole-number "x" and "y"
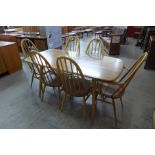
{"x": 116, "y": 90}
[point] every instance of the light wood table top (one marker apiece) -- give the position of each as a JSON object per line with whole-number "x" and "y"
{"x": 107, "y": 68}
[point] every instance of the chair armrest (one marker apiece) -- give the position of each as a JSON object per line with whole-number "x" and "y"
{"x": 102, "y": 85}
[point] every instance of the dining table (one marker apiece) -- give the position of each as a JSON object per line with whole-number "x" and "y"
{"x": 107, "y": 69}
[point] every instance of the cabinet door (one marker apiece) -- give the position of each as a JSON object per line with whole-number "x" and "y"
{"x": 2, "y": 66}
{"x": 41, "y": 44}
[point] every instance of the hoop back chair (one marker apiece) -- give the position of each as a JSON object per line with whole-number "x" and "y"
{"x": 48, "y": 76}
{"x": 73, "y": 81}
{"x": 95, "y": 48}
{"x": 27, "y": 46}
{"x": 116, "y": 90}
{"x": 73, "y": 46}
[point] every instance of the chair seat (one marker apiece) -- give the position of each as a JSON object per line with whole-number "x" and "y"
{"x": 54, "y": 82}
{"x": 75, "y": 91}
{"x": 108, "y": 89}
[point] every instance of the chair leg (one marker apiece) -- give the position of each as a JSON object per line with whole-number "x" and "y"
{"x": 58, "y": 94}
{"x": 32, "y": 79}
{"x": 114, "y": 110}
{"x": 121, "y": 102}
{"x": 63, "y": 101}
{"x": 84, "y": 107}
{"x": 40, "y": 88}
{"x": 43, "y": 92}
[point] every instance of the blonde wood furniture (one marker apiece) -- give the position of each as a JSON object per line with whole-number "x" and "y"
{"x": 27, "y": 46}
{"x": 107, "y": 69}
{"x": 48, "y": 76}
{"x": 73, "y": 46}
{"x": 9, "y": 57}
{"x": 116, "y": 89}
{"x": 73, "y": 80}
{"x": 95, "y": 48}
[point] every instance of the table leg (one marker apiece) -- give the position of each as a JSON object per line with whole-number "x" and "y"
{"x": 93, "y": 97}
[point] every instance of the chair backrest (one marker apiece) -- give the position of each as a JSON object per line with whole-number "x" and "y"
{"x": 47, "y": 73}
{"x": 125, "y": 80}
{"x": 27, "y": 46}
{"x": 73, "y": 46}
{"x": 95, "y": 48}
{"x": 70, "y": 74}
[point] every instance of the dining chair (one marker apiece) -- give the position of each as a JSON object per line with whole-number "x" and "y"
{"x": 48, "y": 76}
{"x": 27, "y": 46}
{"x": 116, "y": 89}
{"x": 73, "y": 46}
{"x": 95, "y": 48}
{"x": 73, "y": 80}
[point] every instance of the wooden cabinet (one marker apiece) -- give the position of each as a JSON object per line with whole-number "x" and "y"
{"x": 39, "y": 41}
{"x": 7, "y": 37}
{"x": 149, "y": 31}
{"x": 3, "y": 68}
{"x": 41, "y": 44}
{"x": 9, "y": 57}
{"x": 150, "y": 62}
{"x": 64, "y": 29}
